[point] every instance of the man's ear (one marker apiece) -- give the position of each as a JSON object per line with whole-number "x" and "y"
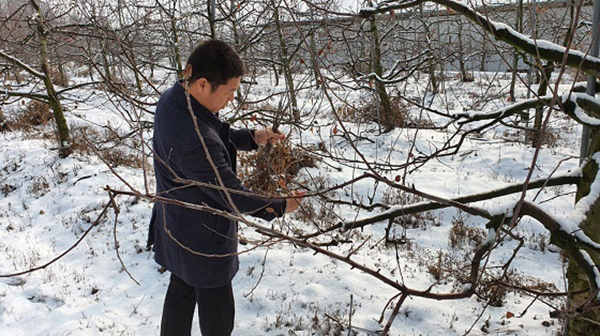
{"x": 187, "y": 72}
{"x": 202, "y": 84}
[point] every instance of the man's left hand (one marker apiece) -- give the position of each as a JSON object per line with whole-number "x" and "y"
{"x": 267, "y": 135}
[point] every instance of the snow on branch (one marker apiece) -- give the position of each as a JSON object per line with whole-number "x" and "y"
{"x": 35, "y": 96}
{"x": 583, "y": 108}
{"x": 21, "y": 64}
{"x": 565, "y": 230}
{"x": 546, "y": 50}
{"x": 506, "y": 111}
{"x": 570, "y": 238}
{"x": 583, "y": 207}
{"x": 403, "y": 210}
{"x": 386, "y": 6}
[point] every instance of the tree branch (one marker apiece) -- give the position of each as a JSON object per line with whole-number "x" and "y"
{"x": 545, "y": 49}
{"x": 567, "y": 241}
{"x": 22, "y": 65}
{"x": 421, "y": 207}
{"x": 35, "y": 96}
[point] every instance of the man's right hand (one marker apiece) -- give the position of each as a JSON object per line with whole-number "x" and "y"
{"x": 293, "y": 203}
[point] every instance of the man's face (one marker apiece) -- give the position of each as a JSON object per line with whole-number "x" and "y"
{"x": 218, "y": 99}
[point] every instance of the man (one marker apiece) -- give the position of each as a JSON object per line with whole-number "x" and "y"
{"x": 199, "y": 247}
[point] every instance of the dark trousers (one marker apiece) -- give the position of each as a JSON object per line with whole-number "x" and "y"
{"x": 216, "y": 309}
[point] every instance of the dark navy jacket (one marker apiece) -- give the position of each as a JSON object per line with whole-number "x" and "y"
{"x": 176, "y": 231}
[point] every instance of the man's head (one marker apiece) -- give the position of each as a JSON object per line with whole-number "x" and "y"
{"x": 214, "y": 71}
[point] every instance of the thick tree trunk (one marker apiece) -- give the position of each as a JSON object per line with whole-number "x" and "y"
{"x": 515, "y": 63}
{"x": 64, "y": 138}
{"x": 177, "y": 62}
{"x": 387, "y": 114}
{"x": 211, "y": 18}
{"x": 537, "y": 136}
{"x": 464, "y": 76}
{"x": 285, "y": 60}
{"x": 577, "y": 278}
{"x": 482, "y": 67}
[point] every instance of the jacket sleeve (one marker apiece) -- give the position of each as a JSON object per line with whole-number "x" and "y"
{"x": 199, "y": 168}
{"x": 243, "y": 139}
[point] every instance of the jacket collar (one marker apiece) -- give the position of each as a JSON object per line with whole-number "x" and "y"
{"x": 201, "y": 112}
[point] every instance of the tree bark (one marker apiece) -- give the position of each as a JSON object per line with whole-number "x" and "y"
{"x": 64, "y": 138}
{"x": 464, "y": 76}
{"x": 387, "y": 114}
{"x": 211, "y": 18}
{"x": 581, "y": 324}
{"x": 285, "y": 60}
{"x": 515, "y": 63}
{"x": 537, "y": 136}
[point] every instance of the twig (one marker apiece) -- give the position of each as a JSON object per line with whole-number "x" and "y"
{"x": 117, "y": 211}
{"x": 386, "y": 306}
{"x": 350, "y": 315}
{"x": 137, "y": 305}
{"x": 477, "y": 319}
{"x": 529, "y": 305}
{"x": 262, "y": 272}
{"x": 386, "y": 330}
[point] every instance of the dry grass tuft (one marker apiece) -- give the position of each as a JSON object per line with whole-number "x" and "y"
{"x": 461, "y": 235}
{"x": 32, "y": 114}
{"x": 111, "y": 147}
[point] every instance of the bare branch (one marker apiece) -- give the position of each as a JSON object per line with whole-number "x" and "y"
{"x": 421, "y": 207}
{"x": 22, "y": 65}
{"x": 545, "y": 49}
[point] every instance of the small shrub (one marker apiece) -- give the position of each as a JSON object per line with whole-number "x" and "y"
{"x": 32, "y": 114}
{"x": 6, "y": 189}
{"x": 550, "y": 137}
{"x": 117, "y": 157}
{"x": 437, "y": 269}
{"x": 461, "y": 235}
{"x": 352, "y": 113}
{"x": 4, "y": 126}
{"x": 444, "y": 267}
{"x": 82, "y": 139}
{"x": 110, "y": 146}
{"x": 495, "y": 295}
{"x": 39, "y": 187}
{"x": 367, "y": 112}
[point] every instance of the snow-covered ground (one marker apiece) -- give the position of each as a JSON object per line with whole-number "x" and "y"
{"x": 47, "y": 203}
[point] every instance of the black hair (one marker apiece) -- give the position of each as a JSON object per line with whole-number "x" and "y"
{"x": 216, "y": 61}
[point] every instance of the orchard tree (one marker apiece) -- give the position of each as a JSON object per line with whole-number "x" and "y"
{"x": 32, "y": 15}
{"x": 581, "y": 240}
{"x": 179, "y": 24}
